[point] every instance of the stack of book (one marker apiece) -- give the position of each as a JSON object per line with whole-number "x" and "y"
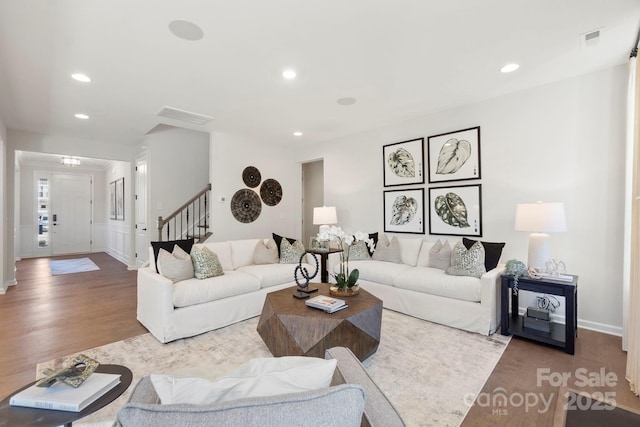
{"x": 328, "y": 304}
{"x": 62, "y": 397}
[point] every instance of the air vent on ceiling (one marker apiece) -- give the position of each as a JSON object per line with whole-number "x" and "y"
{"x": 185, "y": 116}
{"x": 591, "y": 38}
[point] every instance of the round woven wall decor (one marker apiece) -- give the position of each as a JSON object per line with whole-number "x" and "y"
{"x": 246, "y": 205}
{"x": 271, "y": 192}
{"x": 251, "y": 176}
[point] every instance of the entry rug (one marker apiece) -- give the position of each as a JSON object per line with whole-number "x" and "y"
{"x": 427, "y": 371}
{"x": 76, "y": 265}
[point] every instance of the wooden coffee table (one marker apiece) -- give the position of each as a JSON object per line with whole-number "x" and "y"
{"x": 290, "y": 328}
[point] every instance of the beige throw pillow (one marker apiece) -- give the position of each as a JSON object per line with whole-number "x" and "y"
{"x": 175, "y": 266}
{"x": 387, "y": 250}
{"x": 291, "y": 253}
{"x": 265, "y": 253}
{"x": 205, "y": 263}
{"x": 467, "y": 262}
{"x": 440, "y": 255}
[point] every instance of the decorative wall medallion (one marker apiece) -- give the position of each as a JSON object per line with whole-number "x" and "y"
{"x": 251, "y": 176}
{"x": 246, "y": 205}
{"x": 271, "y": 192}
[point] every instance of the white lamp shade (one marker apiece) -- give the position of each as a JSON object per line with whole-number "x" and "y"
{"x": 325, "y": 215}
{"x": 541, "y": 217}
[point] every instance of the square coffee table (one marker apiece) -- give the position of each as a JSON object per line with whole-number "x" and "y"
{"x": 289, "y": 328}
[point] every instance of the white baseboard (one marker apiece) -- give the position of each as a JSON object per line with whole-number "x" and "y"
{"x": 586, "y": 324}
{"x": 5, "y": 286}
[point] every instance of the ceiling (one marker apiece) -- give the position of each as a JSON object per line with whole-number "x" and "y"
{"x": 399, "y": 59}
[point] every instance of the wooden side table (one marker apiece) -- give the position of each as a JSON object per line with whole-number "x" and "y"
{"x": 560, "y": 336}
{"x": 19, "y": 416}
{"x": 324, "y": 256}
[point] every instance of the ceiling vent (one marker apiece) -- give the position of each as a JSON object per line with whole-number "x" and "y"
{"x": 591, "y": 38}
{"x": 184, "y": 116}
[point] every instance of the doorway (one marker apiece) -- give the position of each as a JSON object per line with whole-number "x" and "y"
{"x": 142, "y": 235}
{"x": 312, "y": 196}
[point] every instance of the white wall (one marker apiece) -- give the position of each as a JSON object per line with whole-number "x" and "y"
{"x": 229, "y": 157}
{"x": 178, "y": 165}
{"x": 5, "y": 278}
{"x": 560, "y": 142}
{"x": 119, "y": 234}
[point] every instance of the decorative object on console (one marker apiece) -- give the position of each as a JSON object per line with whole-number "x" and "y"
{"x": 540, "y": 219}
{"x": 454, "y": 156}
{"x": 404, "y": 211}
{"x": 344, "y": 279}
{"x": 467, "y": 262}
{"x": 246, "y": 205}
{"x": 316, "y": 244}
{"x": 303, "y": 288}
{"x": 251, "y": 176}
{"x": 324, "y": 216}
{"x": 73, "y": 374}
{"x": 456, "y": 211}
{"x": 516, "y": 269}
{"x": 271, "y": 192}
{"x": 402, "y": 163}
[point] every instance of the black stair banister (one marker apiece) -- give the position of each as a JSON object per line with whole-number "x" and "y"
{"x": 189, "y": 220}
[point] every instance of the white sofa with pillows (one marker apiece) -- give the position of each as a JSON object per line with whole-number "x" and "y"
{"x": 445, "y": 283}
{"x": 175, "y": 301}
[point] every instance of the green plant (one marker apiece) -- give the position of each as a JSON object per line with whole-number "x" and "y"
{"x": 516, "y": 269}
{"x": 345, "y": 279}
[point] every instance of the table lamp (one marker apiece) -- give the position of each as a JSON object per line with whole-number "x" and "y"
{"x": 540, "y": 219}
{"x": 324, "y": 216}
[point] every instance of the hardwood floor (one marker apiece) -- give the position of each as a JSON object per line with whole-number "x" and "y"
{"x": 48, "y": 316}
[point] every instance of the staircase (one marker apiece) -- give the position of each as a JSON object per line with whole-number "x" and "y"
{"x": 189, "y": 220}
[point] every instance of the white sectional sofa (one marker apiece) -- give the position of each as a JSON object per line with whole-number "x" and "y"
{"x": 413, "y": 288}
{"x": 191, "y": 307}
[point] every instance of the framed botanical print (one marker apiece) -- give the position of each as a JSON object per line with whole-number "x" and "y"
{"x": 404, "y": 211}
{"x": 120, "y": 199}
{"x": 112, "y": 200}
{"x": 454, "y": 156}
{"x": 456, "y": 211}
{"x": 402, "y": 163}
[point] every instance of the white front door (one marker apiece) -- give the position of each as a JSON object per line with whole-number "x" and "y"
{"x": 70, "y": 214}
{"x": 142, "y": 235}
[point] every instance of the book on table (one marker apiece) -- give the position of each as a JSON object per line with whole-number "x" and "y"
{"x": 328, "y": 304}
{"x": 62, "y": 397}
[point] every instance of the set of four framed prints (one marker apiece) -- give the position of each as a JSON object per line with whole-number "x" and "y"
{"x": 454, "y": 210}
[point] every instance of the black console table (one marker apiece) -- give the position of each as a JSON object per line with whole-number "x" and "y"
{"x": 561, "y": 335}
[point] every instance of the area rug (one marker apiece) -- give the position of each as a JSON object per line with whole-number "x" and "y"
{"x": 75, "y": 265}
{"x": 427, "y": 371}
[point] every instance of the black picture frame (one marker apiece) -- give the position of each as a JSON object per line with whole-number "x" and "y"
{"x": 446, "y": 216}
{"x": 404, "y": 211}
{"x": 454, "y": 156}
{"x": 120, "y": 199}
{"x": 112, "y": 200}
{"x": 403, "y": 162}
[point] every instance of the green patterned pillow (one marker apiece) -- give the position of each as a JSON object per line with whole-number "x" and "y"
{"x": 359, "y": 251}
{"x": 205, "y": 263}
{"x": 291, "y": 253}
{"x": 467, "y": 262}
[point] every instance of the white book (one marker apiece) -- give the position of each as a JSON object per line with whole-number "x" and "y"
{"x": 63, "y": 397}
{"x": 328, "y": 304}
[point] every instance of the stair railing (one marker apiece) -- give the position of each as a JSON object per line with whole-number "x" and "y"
{"x": 189, "y": 220}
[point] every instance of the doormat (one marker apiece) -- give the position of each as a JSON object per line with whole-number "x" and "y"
{"x": 68, "y": 266}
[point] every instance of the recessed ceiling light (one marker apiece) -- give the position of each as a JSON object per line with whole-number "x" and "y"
{"x": 289, "y": 74}
{"x": 82, "y": 116}
{"x": 347, "y": 100}
{"x": 509, "y": 68}
{"x": 186, "y": 30}
{"x": 297, "y": 133}
{"x": 81, "y": 77}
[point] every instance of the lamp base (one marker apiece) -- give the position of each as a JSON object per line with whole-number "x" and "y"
{"x": 539, "y": 250}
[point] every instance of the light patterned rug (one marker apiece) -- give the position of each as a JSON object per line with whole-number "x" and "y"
{"x": 75, "y": 265}
{"x": 425, "y": 369}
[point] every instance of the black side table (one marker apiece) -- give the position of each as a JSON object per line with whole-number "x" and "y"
{"x": 324, "y": 255}
{"x": 560, "y": 336}
{"x": 19, "y": 416}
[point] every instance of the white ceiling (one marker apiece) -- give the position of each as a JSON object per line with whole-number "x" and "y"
{"x": 400, "y": 59}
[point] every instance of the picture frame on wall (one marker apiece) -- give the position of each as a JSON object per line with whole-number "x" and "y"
{"x": 403, "y": 163}
{"x": 112, "y": 200}
{"x": 404, "y": 211}
{"x": 456, "y": 210}
{"x": 454, "y": 156}
{"x": 120, "y": 199}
